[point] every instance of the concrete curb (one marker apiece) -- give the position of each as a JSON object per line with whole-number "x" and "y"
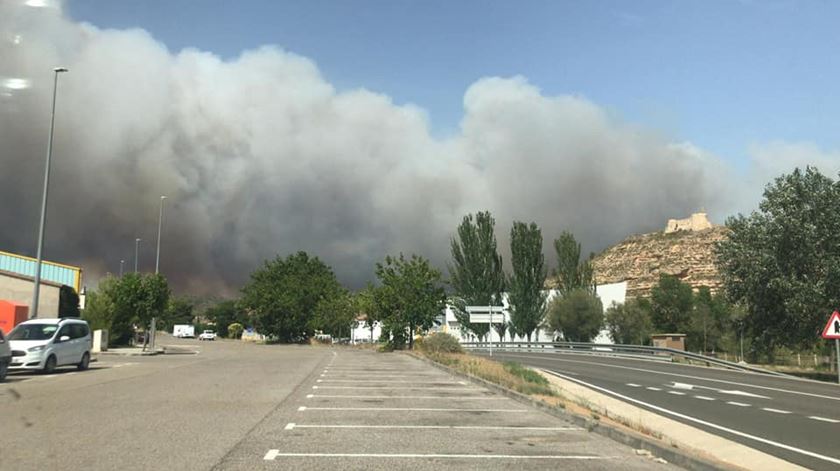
{"x": 627, "y": 437}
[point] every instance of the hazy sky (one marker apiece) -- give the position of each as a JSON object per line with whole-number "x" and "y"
{"x": 355, "y": 129}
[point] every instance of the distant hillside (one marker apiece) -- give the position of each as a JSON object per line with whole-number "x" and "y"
{"x": 684, "y": 251}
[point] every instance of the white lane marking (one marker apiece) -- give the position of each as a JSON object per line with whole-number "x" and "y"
{"x": 704, "y": 398}
{"x": 273, "y": 454}
{"x": 289, "y": 426}
{"x": 651, "y": 388}
{"x": 634, "y": 385}
{"x": 387, "y": 381}
{"x": 354, "y": 396}
{"x": 441, "y": 427}
{"x": 676, "y": 393}
{"x": 739, "y": 404}
{"x": 423, "y": 388}
{"x": 410, "y": 409}
{"x": 823, "y": 419}
{"x": 301, "y": 408}
{"x": 735, "y": 392}
{"x": 691, "y": 387}
{"x": 700, "y": 421}
{"x": 683, "y": 386}
{"x": 645, "y": 370}
{"x": 778, "y": 411}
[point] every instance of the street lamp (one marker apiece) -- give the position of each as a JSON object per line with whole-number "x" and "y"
{"x": 122, "y": 264}
{"x": 160, "y": 224}
{"x": 136, "y": 252}
{"x": 37, "y": 291}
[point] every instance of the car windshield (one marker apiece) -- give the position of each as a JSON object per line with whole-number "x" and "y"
{"x": 33, "y": 332}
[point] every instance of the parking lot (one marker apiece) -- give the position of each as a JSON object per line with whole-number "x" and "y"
{"x": 364, "y": 410}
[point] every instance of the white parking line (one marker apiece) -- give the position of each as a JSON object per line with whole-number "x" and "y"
{"x": 700, "y": 421}
{"x": 676, "y": 393}
{"x": 651, "y": 388}
{"x": 704, "y": 398}
{"x": 408, "y": 409}
{"x": 739, "y": 404}
{"x": 823, "y": 419}
{"x": 274, "y": 454}
{"x": 777, "y": 411}
{"x": 634, "y": 385}
{"x": 437, "y": 398}
{"x": 423, "y": 388}
{"x": 292, "y": 426}
{"x": 388, "y": 381}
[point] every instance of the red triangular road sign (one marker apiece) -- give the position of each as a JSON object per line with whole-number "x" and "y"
{"x": 832, "y": 329}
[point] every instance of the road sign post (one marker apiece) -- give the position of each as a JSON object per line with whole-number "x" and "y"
{"x": 832, "y": 331}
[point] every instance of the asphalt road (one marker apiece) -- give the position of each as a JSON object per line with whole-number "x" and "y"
{"x": 241, "y": 406}
{"x": 796, "y": 420}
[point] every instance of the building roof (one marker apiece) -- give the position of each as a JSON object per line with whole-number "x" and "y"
{"x": 51, "y": 272}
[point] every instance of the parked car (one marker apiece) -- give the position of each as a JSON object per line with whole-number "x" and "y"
{"x": 5, "y": 356}
{"x": 45, "y": 344}
{"x": 207, "y": 335}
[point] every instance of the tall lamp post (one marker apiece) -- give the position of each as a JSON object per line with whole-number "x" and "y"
{"x": 136, "y": 252}
{"x": 157, "y": 270}
{"x": 37, "y": 291}
{"x": 122, "y": 265}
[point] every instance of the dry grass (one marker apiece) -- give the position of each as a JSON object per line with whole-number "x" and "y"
{"x": 511, "y": 376}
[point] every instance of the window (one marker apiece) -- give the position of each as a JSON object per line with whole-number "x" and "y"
{"x": 66, "y": 330}
{"x": 33, "y": 332}
{"x": 78, "y": 331}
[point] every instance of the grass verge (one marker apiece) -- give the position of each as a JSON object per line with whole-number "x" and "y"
{"x": 510, "y": 375}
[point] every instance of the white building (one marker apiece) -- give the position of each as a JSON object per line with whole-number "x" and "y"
{"x": 361, "y": 333}
{"x": 609, "y": 294}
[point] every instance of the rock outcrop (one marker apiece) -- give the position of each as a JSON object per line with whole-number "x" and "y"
{"x": 685, "y": 249}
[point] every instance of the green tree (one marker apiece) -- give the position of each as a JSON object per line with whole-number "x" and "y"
{"x": 630, "y": 323}
{"x": 411, "y": 296}
{"x": 527, "y": 296}
{"x": 68, "y": 302}
{"x": 234, "y": 331}
{"x": 578, "y": 315}
{"x": 672, "y": 303}
{"x": 283, "y": 295}
{"x": 336, "y": 315}
{"x": 101, "y": 310}
{"x": 476, "y": 272}
{"x": 223, "y": 314}
{"x": 711, "y": 319}
{"x": 365, "y": 302}
{"x": 782, "y": 262}
{"x": 572, "y": 272}
{"x": 179, "y": 310}
{"x": 119, "y": 303}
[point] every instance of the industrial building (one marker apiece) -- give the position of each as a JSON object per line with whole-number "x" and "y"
{"x": 17, "y": 278}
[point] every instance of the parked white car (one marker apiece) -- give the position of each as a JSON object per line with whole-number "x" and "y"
{"x": 45, "y": 344}
{"x": 207, "y": 335}
{"x": 5, "y": 356}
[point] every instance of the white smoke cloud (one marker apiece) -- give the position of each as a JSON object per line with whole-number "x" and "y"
{"x": 260, "y": 156}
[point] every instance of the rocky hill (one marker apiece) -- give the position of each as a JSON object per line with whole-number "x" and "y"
{"x": 685, "y": 249}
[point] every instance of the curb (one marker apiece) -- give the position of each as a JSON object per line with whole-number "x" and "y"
{"x": 630, "y": 438}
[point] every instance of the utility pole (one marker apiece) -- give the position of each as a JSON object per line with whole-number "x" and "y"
{"x": 136, "y": 252}
{"x": 122, "y": 265}
{"x": 36, "y": 293}
{"x": 153, "y": 328}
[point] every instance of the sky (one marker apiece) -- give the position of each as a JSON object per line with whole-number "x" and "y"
{"x": 357, "y": 129}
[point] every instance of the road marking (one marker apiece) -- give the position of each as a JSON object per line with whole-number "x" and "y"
{"x": 353, "y": 396}
{"x": 734, "y": 392}
{"x": 700, "y": 421}
{"x": 676, "y": 393}
{"x": 387, "y": 381}
{"x": 399, "y": 387}
{"x": 645, "y": 370}
{"x": 651, "y": 388}
{"x": 704, "y": 398}
{"x": 274, "y": 454}
{"x": 409, "y": 409}
{"x": 290, "y": 426}
{"x": 439, "y": 427}
{"x": 778, "y": 411}
{"x": 823, "y": 419}
{"x": 634, "y": 385}
{"x": 739, "y": 404}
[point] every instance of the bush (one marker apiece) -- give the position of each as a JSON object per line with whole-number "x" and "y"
{"x": 235, "y": 330}
{"x": 526, "y": 374}
{"x": 441, "y": 343}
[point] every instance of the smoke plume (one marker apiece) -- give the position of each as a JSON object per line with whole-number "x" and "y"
{"x": 260, "y": 155}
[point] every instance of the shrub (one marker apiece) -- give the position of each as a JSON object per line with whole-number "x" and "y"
{"x": 440, "y": 342}
{"x": 526, "y": 374}
{"x": 235, "y": 330}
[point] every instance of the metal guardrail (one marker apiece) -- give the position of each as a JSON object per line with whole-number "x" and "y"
{"x": 619, "y": 350}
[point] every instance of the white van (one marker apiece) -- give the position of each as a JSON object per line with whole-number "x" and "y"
{"x": 45, "y": 344}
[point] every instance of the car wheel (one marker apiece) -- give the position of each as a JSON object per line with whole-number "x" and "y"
{"x": 4, "y": 368}
{"x": 49, "y": 366}
{"x": 83, "y": 365}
